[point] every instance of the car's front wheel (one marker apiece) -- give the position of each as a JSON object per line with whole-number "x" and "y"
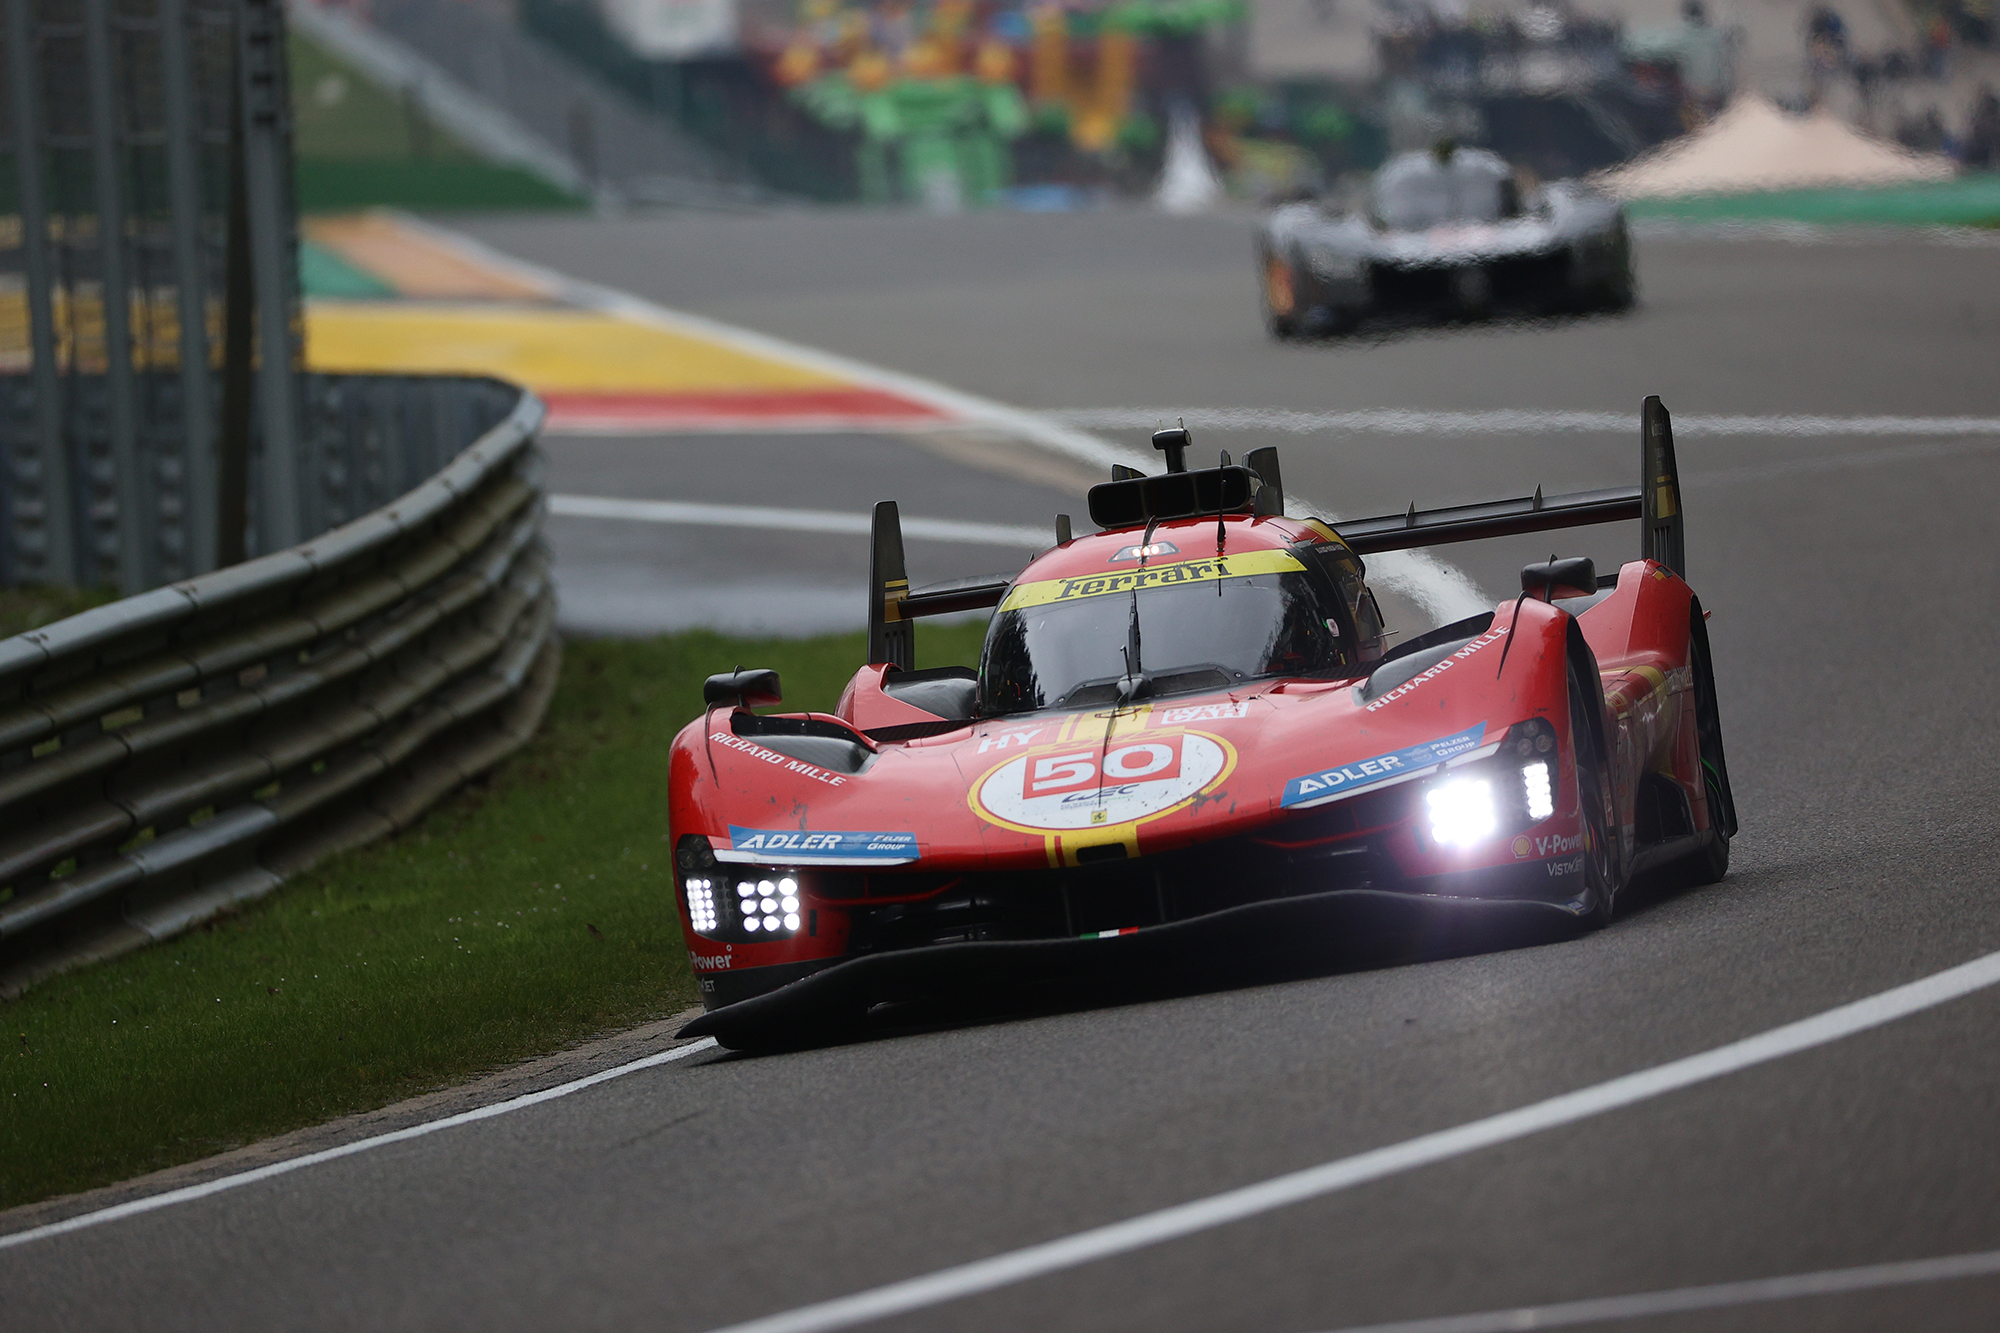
{"x": 1600, "y": 849}
{"x": 1281, "y": 295}
{"x": 1710, "y": 863}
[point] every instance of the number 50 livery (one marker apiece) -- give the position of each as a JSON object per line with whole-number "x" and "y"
{"x": 1189, "y": 737}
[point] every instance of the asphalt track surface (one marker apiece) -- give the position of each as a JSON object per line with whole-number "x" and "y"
{"x": 1853, "y": 584}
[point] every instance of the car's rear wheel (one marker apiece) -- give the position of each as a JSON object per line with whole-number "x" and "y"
{"x": 1281, "y": 295}
{"x": 1600, "y": 851}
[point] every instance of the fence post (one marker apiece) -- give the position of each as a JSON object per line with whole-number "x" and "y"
{"x": 58, "y": 511}
{"x": 121, "y": 409}
{"x": 198, "y": 463}
{"x": 265, "y": 165}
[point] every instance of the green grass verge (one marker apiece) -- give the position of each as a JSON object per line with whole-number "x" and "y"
{"x": 359, "y": 145}
{"x": 1969, "y": 201}
{"x": 338, "y": 112}
{"x": 527, "y": 913}
{"x": 332, "y": 185}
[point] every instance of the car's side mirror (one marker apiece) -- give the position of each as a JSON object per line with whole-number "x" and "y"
{"x": 749, "y": 688}
{"x": 1574, "y": 577}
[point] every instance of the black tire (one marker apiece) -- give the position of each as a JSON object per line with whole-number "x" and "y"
{"x": 1710, "y": 863}
{"x": 1601, "y": 876}
{"x": 1621, "y": 291}
{"x": 1278, "y": 285}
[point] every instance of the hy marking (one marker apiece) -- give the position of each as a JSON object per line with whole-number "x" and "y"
{"x": 190, "y": 1193}
{"x": 1521, "y": 421}
{"x": 1187, "y": 1219}
{"x": 1682, "y": 1300}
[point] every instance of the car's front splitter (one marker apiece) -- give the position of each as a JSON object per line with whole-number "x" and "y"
{"x": 1345, "y": 923}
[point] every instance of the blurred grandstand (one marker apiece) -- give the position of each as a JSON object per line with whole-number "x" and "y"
{"x": 950, "y": 104}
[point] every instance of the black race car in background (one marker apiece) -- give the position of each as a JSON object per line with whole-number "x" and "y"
{"x": 1453, "y": 232}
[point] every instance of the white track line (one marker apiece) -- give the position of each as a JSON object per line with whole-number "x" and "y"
{"x": 1518, "y": 421}
{"x": 1840, "y": 462}
{"x": 1443, "y": 591}
{"x": 1034, "y": 426}
{"x": 1681, "y": 1300}
{"x": 190, "y": 1193}
{"x": 1314, "y": 1182}
{"x": 795, "y": 520}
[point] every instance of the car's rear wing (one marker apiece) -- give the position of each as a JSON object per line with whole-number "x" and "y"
{"x": 1656, "y": 502}
{"x": 894, "y": 606}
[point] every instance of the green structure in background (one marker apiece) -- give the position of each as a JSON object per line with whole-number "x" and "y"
{"x": 1969, "y": 201}
{"x": 942, "y": 142}
{"x": 358, "y": 145}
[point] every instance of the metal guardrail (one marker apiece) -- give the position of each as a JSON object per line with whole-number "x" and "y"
{"x": 172, "y": 754}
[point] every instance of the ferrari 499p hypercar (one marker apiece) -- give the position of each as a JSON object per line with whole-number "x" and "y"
{"x": 1446, "y": 233}
{"x": 1189, "y": 731}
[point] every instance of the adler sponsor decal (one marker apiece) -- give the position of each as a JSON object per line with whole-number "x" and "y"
{"x": 1087, "y": 786}
{"x": 1331, "y": 783}
{"x": 1417, "y": 681}
{"x": 819, "y": 846}
{"x": 784, "y": 761}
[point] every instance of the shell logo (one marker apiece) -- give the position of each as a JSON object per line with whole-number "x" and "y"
{"x": 1522, "y": 846}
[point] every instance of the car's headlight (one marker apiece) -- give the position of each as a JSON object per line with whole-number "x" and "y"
{"x": 730, "y": 902}
{"x": 1513, "y": 790}
{"x": 766, "y": 903}
{"x": 1462, "y": 812}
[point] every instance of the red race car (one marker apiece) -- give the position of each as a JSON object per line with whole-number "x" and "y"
{"x": 1187, "y": 737}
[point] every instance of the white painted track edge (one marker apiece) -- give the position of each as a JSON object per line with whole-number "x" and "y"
{"x": 189, "y": 1193}
{"x": 794, "y": 520}
{"x": 1052, "y": 435}
{"x": 1195, "y": 1216}
{"x": 1717, "y": 1296}
{"x": 1444, "y": 592}
{"x": 1528, "y": 421}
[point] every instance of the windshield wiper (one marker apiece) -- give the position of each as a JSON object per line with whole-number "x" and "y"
{"x": 1135, "y": 681}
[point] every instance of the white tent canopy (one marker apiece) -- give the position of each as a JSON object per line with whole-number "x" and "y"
{"x": 1752, "y": 145}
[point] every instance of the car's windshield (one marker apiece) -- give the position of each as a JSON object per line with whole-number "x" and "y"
{"x": 1419, "y": 192}
{"x": 1053, "y": 650}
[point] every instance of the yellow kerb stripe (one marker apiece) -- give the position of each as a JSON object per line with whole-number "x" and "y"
{"x": 1180, "y": 572}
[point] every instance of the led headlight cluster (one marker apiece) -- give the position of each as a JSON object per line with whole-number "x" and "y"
{"x": 701, "y": 905}
{"x": 736, "y": 902}
{"x": 1461, "y": 811}
{"x": 1532, "y": 745}
{"x": 768, "y": 906}
{"x": 1509, "y": 792}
